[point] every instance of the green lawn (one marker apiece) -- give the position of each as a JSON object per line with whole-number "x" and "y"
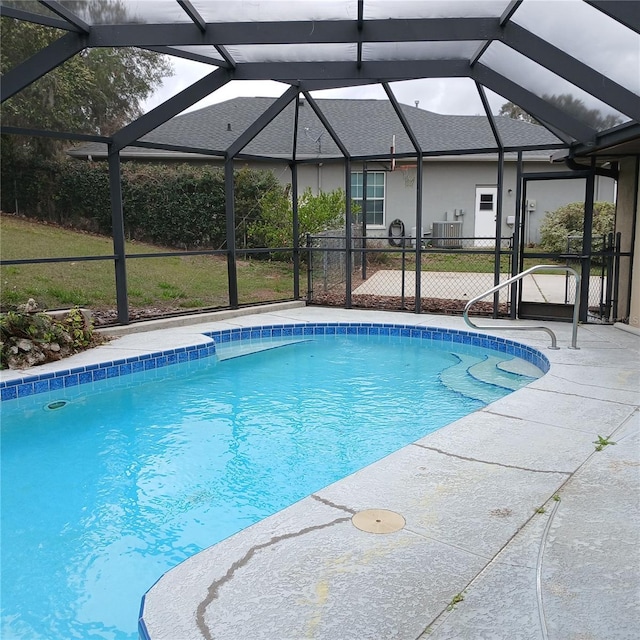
{"x": 187, "y": 282}
{"x": 174, "y": 283}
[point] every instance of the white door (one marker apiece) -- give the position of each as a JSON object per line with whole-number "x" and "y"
{"x": 485, "y": 220}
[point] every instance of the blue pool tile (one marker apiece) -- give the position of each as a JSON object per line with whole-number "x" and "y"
{"x": 297, "y": 331}
{"x": 287, "y": 331}
{"x": 8, "y": 393}
{"x": 182, "y": 357}
{"x": 341, "y": 330}
{"x": 126, "y": 368}
{"x": 40, "y": 386}
{"x": 172, "y": 358}
{"x": 308, "y": 331}
{"x": 277, "y": 332}
{"x": 71, "y": 380}
{"x": 138, "y": 366}
{"x": 161, "y": 361}
{"x": 151, "y": 364}
{"x": 85, "y": 377}
{"x": 352, "y": 330}
{"x": 113, "y": 372}
{"x": 56, "y": 383}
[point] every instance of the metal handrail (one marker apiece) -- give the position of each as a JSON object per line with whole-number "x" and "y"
{"x": 539, "y": 267}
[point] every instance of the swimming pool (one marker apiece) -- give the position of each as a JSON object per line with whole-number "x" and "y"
{"x": 137, "y": 472}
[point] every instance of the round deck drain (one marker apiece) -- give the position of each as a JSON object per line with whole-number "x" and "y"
{"x": 378, "y": 521}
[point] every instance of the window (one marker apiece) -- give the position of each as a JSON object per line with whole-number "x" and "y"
{"x": 486, "y": 202}
{"x": 375, "y": 195}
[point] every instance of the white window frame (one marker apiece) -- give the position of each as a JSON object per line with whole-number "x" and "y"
{"x": 371, "y": 199}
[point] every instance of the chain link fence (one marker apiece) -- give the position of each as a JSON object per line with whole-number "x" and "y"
{"x": 384, "y": 277}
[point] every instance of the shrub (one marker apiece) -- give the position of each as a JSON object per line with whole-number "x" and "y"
{"x": 173, "y": 205}
{"x": 318, "y": 213}
{"x": 568, "y": 220}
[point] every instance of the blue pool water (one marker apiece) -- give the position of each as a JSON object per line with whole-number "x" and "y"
{"x": 103, "y": 495}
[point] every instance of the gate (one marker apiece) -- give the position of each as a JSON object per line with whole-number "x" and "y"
{"x": 596, "y": 259}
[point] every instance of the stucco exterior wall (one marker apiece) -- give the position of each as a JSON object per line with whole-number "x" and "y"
{"x": 449, "y": 192}
{"x": 627, "y": 206}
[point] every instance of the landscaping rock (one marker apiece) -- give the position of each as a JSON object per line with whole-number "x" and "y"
{"x": 24, "y": 345}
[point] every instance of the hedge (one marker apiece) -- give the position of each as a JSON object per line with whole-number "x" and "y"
{"x": 177, "y": 205}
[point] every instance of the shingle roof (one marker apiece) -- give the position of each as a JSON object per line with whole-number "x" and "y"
{"x": 366, "y": 127}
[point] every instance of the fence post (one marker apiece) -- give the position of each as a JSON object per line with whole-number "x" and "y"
{"x": 309, "y": 269}
{"x": 117, "y": 221}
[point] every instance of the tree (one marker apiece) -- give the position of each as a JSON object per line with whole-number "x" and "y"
{"x": 578, "y": 109}
{"x": 97, "y": 91}
{"x": 563, "y": 228}
{"x": 516, "y": 113}
{"x": 567, "y": 103}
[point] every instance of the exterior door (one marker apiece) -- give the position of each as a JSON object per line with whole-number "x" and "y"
{"x": 485, "y": 220}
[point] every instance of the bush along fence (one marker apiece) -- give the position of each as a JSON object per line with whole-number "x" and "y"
{"x": 179, "y": 206}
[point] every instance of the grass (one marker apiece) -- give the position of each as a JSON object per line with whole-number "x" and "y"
{"x": 170, "y": 283}
{"x": 187, "y": 282}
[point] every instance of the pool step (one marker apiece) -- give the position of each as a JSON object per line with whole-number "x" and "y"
{"x": 457, "y": 378}
{"x": 490, "y": 372}
{"x": 229, "y": 350}
{"x": 520, "y": 367}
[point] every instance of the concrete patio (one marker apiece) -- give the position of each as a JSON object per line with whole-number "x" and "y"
{"x": 515, "y": 526}
{"x": 536, "y": 287}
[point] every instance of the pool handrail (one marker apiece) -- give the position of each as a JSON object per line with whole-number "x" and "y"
{"x": 516, "y": 278}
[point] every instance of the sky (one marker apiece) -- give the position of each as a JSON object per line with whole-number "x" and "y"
{"x": 572, "y": 25}
{"x": 449, "y": 95}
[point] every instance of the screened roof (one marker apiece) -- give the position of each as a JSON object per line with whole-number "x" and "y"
{"x": 574, "y": 65}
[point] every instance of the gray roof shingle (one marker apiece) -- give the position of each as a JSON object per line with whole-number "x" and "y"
{"x": 366, "y": 127}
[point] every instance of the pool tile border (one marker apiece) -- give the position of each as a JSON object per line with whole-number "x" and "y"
{"x": 53, "y": 381}
{"x": 42, "y": 383}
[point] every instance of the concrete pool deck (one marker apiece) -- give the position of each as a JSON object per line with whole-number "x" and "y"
{"x": 515, "y": 526}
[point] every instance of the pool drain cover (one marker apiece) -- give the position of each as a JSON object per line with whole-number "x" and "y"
{"x": 58, "y": 404}
{"x": 378, "y": 521}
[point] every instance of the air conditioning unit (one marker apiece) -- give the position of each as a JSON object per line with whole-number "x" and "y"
{"x": 447, "y": 234}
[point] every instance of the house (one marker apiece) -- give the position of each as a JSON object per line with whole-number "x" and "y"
{"x": 460, "y": 169}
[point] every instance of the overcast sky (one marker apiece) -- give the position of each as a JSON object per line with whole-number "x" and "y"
{"x": 453, "y": 96}
{"x": 572, "y": 25}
